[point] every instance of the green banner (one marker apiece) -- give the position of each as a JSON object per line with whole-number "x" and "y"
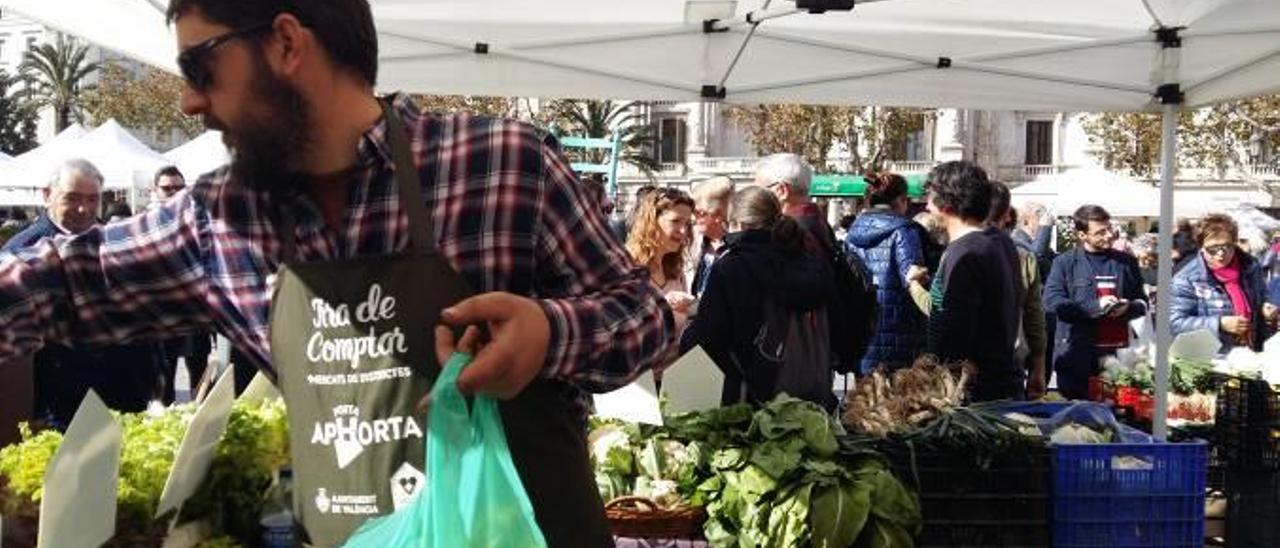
{"x": 855, "y": 186}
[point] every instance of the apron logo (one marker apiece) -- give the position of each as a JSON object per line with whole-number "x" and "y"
{"x": 349, "y": 435}
{"x": 375, "y": 308}
{"x": 323, "y": 501}
{"x": 406, "y": 483}
{"x": 356, "y": 505}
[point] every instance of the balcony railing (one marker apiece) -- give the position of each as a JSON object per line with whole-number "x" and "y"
{"x": 1035, "y": 171}
{"x": 1248, "y": 172}
{"x": 912, "y": 166}
{"x": 723, "y": 165}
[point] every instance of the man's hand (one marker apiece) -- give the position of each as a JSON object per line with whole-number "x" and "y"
{"x": 1109, "y": 300}
{"x": 1035, "y": 380}
{"x": 519, "y": 335}
{"x": 918, "y": 274}
{"x": 1271, "y": 312}
{"x": 1235, "y": 325}
{"x": 446, "y": 346}
{"x": 1119, "y": 310}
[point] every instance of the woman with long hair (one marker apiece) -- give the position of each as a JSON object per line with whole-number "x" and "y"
{"x": 764, "y": 265}
{"x": 658, "y": 240}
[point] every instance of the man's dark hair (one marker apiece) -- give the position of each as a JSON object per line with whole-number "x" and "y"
{"x": 962, "y": 187}
{"x": 1000, "y": 205}
{"x": 1088, "y": 213}
{"x": 343, "y": 27}
{"x": 167, "y": 171}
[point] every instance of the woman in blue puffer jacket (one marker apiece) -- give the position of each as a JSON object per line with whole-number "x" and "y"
{"x": 889, "y": 243}
{"x": 1222, "y": 289}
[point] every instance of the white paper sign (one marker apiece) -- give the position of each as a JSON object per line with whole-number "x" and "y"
{"x": 692, "y": 383}
{"x": 259, "y": 390}
{"x": 1202, "y": 345}
{"x": 198, "y": 445}
{"x": 79, "y": 505}
{"x": 635, "y": 402}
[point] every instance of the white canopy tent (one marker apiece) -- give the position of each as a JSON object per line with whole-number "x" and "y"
{"x": 1082, "y": 55}
{"x": 20, "y": 171}
{"x": 200, "y": 155}
{"x": 125, "y": 162}
{"x": 1120, "y": 195}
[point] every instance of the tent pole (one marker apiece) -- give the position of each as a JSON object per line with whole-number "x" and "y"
{"x": 1168, "y": 169}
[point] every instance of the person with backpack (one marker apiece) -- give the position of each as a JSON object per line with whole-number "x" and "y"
{"x": 763, "y": 318}
{"x": 888, "y": 242}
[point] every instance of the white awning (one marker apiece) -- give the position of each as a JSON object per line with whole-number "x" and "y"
{"x": 1091, "y": 55}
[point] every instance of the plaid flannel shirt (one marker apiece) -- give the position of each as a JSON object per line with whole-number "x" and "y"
{"x": 507, "y": 212}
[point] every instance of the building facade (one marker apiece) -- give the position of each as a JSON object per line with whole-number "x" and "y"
{"x": 696, "y": 141}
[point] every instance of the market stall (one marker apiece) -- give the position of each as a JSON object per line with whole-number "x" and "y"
{"x": 1085, "y": 55}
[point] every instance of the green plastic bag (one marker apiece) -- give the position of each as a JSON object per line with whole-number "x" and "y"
{"x": 474, "y": 496}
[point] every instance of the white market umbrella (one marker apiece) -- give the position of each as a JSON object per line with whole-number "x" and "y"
{"x": 1120, "y": 195}
{"x": 200, "y": 155}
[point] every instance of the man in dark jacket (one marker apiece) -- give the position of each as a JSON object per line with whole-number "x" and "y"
{"x": 975, "y": 296}
{"x": 1094, "y": 291}
{"x": 63, "y": 375}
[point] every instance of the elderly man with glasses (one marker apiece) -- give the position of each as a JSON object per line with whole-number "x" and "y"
{"x": 1223, "y": 290}
{"x": 1094, "y": 291}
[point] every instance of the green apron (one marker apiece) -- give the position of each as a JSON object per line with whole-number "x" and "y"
{"x": 353, "y": 348}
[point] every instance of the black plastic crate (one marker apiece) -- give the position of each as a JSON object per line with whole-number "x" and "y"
{"x": 1253, "y": 509}
{"x": 1002, "y": 501}
{"x": 1247, "y": 424}
{"x": 1247, "y": 402}
{"x": 1248, "y": 448}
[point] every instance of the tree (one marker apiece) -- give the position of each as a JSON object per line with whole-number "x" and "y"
{"x": 870, "y": 136}
{"x": 148, "y": 101}
{"x": 477, "y": 105}
{"x": 600, "y": 119}
{"x": 1217, "y": 137}
{"x": 17, "y": 118}
{"x": 55, "y": 73}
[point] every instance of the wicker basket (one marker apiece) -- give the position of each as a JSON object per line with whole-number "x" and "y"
{"x": 639, "y": 517}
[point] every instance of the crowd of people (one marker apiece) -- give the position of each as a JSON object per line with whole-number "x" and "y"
{"x": 972, "y": 278}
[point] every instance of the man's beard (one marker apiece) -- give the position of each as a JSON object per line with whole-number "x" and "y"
{"x": 273, "y": 137}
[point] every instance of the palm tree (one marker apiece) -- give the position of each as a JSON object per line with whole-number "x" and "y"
{"x": 600, "y": 119}
{"x": 55, "y": 73}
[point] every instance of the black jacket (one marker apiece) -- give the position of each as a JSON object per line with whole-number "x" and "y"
{"x": 731, "y": 311}
{"x": 1071, "y": 293}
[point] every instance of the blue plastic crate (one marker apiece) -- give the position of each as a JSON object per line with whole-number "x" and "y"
{"x": 1129, "y": 494}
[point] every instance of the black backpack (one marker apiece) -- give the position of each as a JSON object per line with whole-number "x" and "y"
{"x": 790, "y": 353}
{"x": 853, "y": 314}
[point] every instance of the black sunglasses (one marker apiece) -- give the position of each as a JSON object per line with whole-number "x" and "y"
{"x": 194, "y": 61}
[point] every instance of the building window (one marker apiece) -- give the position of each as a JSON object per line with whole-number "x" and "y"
{"x": 1039, "y": 143}
{"x": 671, "y": 140}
